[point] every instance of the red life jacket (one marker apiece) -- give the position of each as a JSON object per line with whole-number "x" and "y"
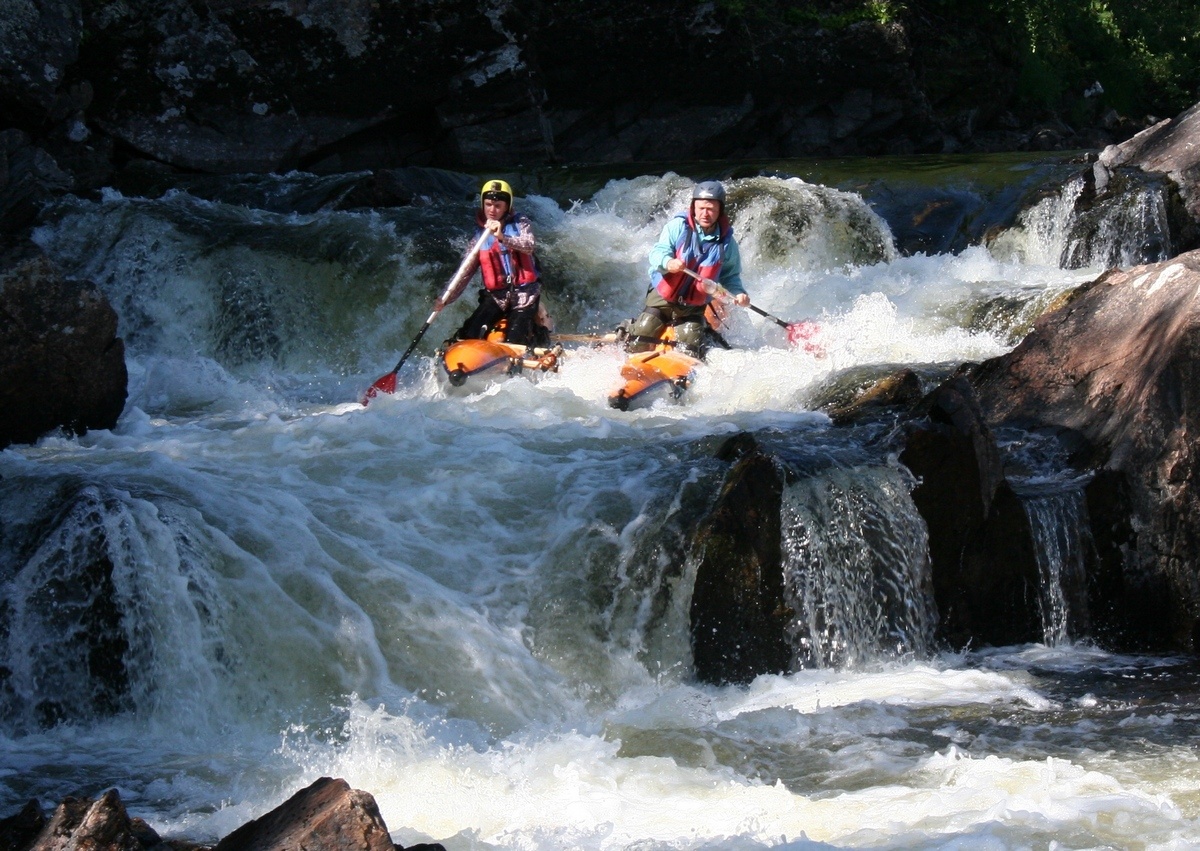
{"x": 701, "y": 256}
{"x": 501, "y": 267}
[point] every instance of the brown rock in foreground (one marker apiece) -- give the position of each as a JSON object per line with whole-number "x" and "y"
{"x": 84, "y": 825}
{"x": 326, "y": 816}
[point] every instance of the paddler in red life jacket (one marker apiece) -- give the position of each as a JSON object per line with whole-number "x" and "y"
{"x": 511, "y": 280}
{"x": 700, "y": 239}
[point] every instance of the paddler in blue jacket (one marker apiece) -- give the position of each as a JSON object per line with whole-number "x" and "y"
{"x": 699, "y": 240}
{"x": 511, "y": 279}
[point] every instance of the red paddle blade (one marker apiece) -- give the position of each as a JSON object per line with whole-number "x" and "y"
{"x": 385, "y": 384}
{"x": 805, "y": 334}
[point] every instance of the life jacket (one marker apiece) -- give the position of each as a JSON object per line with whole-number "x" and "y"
{"x": 701, "y": 256}
{"x": 502, "y": 268}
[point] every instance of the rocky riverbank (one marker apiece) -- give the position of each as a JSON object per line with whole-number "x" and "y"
{"x": 104, "y": 88}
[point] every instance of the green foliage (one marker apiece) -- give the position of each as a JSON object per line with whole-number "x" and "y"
{"x": 879, "y": 11}
{"x": 1145, "y": 53}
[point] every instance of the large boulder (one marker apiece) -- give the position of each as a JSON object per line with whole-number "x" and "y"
{"x": 62, "y": 365}
{"x": 1170, "y": 147}
{"x": 1114, "y": 376}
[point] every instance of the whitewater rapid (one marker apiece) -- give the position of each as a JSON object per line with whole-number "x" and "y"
{"x": 475, "y": 607}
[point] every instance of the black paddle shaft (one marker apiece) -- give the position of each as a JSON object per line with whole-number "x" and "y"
{"x": 412, "y": 346}
{"x": 774, "y": 319}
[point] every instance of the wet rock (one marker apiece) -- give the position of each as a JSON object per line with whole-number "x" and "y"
{"x": 99, "y": 825}
{"x": 739, "y": 616}
{"x": 1115, "y": 375}
{"x": 1170, "y": 147}
{"x": 29, "y": 177}
{"x": 901, "y": 391}
{"x": 981, "y": 552}
{"x": 62, "y": 364}
{"x": 17, "y": 832}
{"x": 326, "y": 816}
{"x": 406, "y": 186}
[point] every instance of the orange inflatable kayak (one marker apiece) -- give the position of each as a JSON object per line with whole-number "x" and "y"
{"x": 663, "y": 372}
{"x": 473, "y": 364}
{"x": 647, "y": 376}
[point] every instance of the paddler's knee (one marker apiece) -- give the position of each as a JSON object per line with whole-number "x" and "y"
{"x": 644, "y": 332}
{"x": 689, "y": 337}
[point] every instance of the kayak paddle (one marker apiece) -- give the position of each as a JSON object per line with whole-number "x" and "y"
{"x": 387, "y": 383}
{"x": 586, "y": 338}
{"x": 798, "y": 333}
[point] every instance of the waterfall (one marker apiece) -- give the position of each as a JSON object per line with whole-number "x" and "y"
{"x": 856, "y": 566}
{"x": 1061, "y": 537}
{"x": 114, "y": 610}
{"x": 1124, "y": 228}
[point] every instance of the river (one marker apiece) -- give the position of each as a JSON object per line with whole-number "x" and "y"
{"x": 473, "y": 606}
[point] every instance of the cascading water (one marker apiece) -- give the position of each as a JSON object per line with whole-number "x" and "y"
{"x": 856, "y": 564}
{"x": 1128, "y": 229}
{"x": 476, "y": 608}
{"x": 1061, "y": 535}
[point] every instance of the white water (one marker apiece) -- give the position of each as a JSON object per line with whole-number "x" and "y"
{"x": 474, "y": 608}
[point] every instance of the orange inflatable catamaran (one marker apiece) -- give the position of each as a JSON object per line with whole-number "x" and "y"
{"x": 662, "y": 372}
{"x": 471, "y": 364}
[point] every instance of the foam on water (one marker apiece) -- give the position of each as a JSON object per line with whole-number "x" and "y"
{"x": 475, "y": 606}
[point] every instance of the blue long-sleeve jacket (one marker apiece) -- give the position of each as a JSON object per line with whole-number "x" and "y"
{"x": 731, "y": 263}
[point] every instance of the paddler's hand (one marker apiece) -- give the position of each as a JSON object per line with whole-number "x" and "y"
{"x": 741, "y": 299}
{"x": 674, "y": 264}
{"x": 493, "y": 226}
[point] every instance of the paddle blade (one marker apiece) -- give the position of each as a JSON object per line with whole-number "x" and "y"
{"x": 806, "y": 334}
{"x": 385, "y": 384}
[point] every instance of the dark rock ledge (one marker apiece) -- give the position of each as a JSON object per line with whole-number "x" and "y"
{"x": 326, "y": 816}
{"x": 62, "y": 365}
{"x": 1107, "y": 384}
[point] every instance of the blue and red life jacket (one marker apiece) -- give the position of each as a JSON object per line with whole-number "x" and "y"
{"x": 501, "y": 267}
{"x": 700, "y": 255}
